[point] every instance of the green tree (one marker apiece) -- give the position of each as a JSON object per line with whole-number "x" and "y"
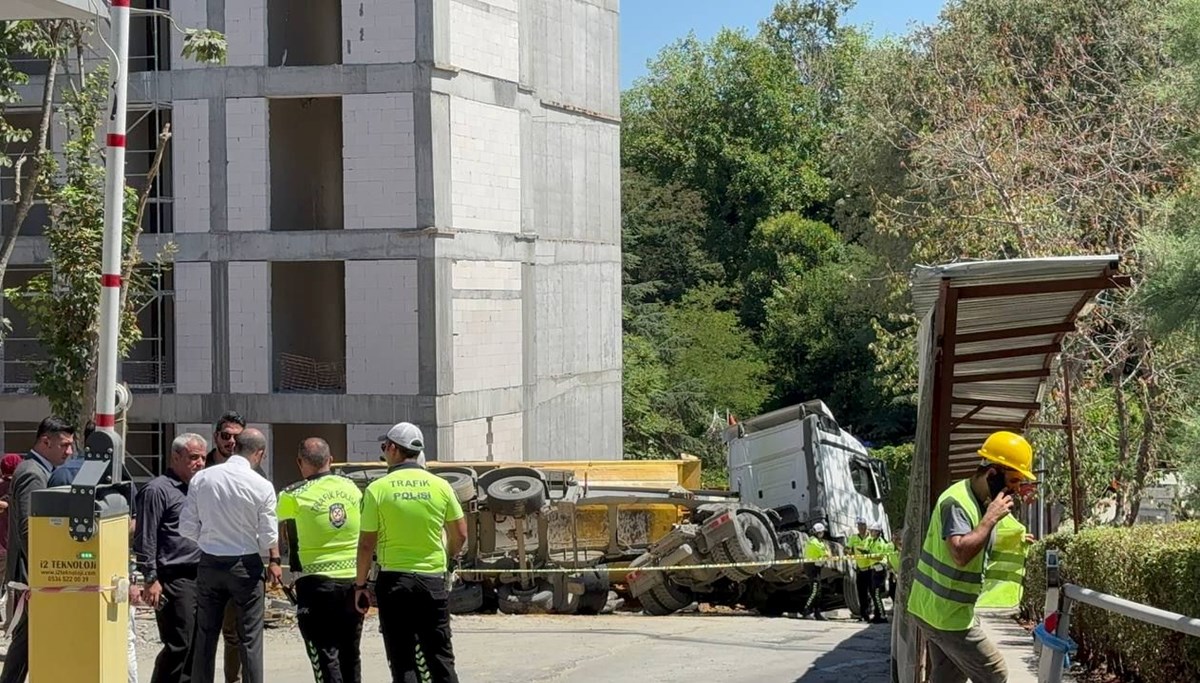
{"x": 63, "y": 304}
{"x": 899, "y": 465}
{"x": 729, "y": 119}
{"x": 662, "y": 233}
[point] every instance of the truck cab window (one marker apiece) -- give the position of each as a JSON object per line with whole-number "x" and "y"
{"x": 864, "y": 483}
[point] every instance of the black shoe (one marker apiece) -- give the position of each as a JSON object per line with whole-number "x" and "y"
{"x": 819, "y": 617}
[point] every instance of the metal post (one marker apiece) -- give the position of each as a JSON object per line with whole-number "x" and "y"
{"x": 1053, "y": 585}
{"x": 1072, "y": 455}
{"x": 114, "y": 214}
{"x": 1056, "y": 658}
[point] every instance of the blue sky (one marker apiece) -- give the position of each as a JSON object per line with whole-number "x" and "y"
{"x": 649, "y": 25}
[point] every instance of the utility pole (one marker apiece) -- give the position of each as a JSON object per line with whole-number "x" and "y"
{"x": 1072, "y": 455}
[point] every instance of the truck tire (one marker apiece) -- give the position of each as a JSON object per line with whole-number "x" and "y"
{"x": 850, "y": 591}
{"x": 664, "y": 599}
{"x": 516, "y": 496}
{"x": 463, "y": 485}
{"x": 516, "y": 600}
{"x": 753, "y": 544}
{"x": 466, "y": 598}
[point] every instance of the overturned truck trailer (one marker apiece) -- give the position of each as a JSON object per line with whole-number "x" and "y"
{"x": 544, "y": 538}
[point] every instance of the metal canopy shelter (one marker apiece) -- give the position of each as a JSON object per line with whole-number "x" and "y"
{"x": 990, "y": 337}
{"x": 999, "y": 328}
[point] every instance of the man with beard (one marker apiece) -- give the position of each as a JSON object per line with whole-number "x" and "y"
{"x": 167, "y": 559}
{"x": 949, "y": 576}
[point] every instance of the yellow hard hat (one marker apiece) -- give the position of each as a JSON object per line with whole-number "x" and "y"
{"x": 1009, "y": 450}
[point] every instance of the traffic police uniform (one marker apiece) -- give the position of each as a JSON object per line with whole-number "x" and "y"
{"x": 859, "y": 544}
{"x": 322, "y": 515}
{"x": 408, "y": 509}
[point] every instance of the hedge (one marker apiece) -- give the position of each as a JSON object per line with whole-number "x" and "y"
{"x": 1156, "y": 565}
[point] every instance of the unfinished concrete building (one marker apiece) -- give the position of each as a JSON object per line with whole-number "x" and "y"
{"x": 383, "y": 210}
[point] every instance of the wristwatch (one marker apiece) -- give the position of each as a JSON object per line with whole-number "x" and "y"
{"x": 276, "y": 560}
{"x": 360, "y": 586}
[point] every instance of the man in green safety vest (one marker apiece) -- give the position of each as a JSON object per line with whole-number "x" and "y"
{"x": 949, "y": 574}
{"x": 320, "y": 518}
{"x": 878, "y": 548}
{"x": 1004, "y": 573}
{"x": 859, "y": 544}
{"x": 814, "y": 551}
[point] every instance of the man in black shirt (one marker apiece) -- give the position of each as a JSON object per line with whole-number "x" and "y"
{"x": 167, "y": 559}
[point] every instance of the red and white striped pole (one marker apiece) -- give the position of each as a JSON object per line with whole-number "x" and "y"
{"x": 114, "y": 214}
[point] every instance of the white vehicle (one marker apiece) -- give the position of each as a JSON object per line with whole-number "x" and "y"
{"x": 790, "y": 468}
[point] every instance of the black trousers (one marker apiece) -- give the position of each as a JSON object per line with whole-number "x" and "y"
{"x": 414, "y": 615}
{"x": 16, "y": 662}
{"x": 331, "y": 627}
{"x": 219, "y": 580}
{"x": 862, "y": 582}
{"x": 176, "y": 618}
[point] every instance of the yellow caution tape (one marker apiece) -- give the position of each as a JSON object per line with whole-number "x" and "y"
{"x": 758, "y": 566}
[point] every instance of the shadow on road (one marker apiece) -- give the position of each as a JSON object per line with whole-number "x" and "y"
{"x": 861, "y": 658}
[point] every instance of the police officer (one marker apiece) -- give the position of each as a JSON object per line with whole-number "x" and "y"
{"x": 403, "y": 516}
{"x": 949, "y": 572}
{"x": 320, "y": 518}
{"x": 878, "y": 548}
{"x": 814, "y": 551}
{"x": 859, "y": 545}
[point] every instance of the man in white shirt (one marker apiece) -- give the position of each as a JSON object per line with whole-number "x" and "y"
{"x": 230, "y": 513}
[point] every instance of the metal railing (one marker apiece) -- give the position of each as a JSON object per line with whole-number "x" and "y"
{"x": 1061, "y": 599}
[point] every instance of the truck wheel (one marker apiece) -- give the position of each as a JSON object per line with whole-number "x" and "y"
{"x": 463, "y": 485}
{"x": 516, "y": 496}
{"x": 516, "y": 600}
{"x": 664, "y": 599}
{"x": 752, "y": 545}
{"x": 850, "y": 591}
{"x": 466, "y": 598}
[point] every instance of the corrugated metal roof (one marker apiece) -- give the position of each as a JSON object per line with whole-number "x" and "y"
{"x": 976, "y": 402}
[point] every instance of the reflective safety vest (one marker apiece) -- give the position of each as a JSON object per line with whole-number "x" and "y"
{"x": 860, "y": 545}
{"x": 815, "y": 549}
{"x": 1004, "y": 571}
{"x": 943, "y": 594}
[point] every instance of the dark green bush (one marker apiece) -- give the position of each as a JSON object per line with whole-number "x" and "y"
{"x": 1157, "y": 565}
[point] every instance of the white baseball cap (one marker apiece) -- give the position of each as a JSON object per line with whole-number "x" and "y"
{"x": 860, "y": 520}
{"x": 406, "y": 435}
{"x": 818, "y": 528}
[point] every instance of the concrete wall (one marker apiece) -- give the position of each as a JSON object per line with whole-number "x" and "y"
{"x": 193, "y": 328}
{"x": 189, "y": 163}
{"x": 246, "y": 32}
{"x": 483, "y": 37}
{"x": 379, "y": 31}
{"x": 379, "y": 162}
{"x": 382, "y": 335}
{"x": 248, "y": 169}
{"x": 485, "y": 166}
{"x": 188, "y": 14}
{"x": 249, "y": 327}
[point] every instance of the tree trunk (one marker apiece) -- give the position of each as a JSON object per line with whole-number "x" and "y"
{"x": 28, "y": 185}
{"x": 1122, "y": 442}
{"x": 1146, "y": 450}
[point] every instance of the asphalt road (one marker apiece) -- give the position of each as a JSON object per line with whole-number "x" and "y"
{"x": 621, "y": 647}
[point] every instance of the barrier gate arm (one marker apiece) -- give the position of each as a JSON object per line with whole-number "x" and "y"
{"x": 79, "y": 535}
